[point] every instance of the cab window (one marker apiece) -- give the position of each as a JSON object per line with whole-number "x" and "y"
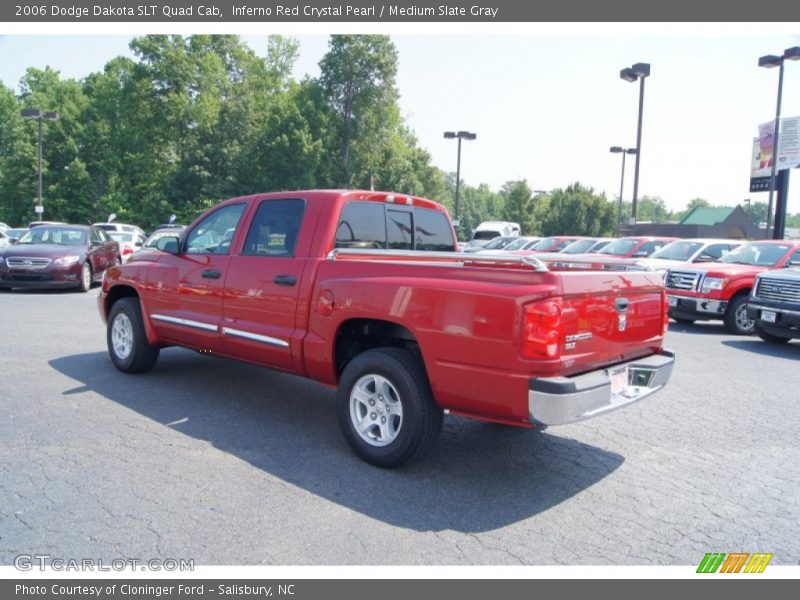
{"x": 362, "y": 225}
{"x": 432, "y": 231}
{"x": 213, "y": 234}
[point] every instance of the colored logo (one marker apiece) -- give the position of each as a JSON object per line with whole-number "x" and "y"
{"x": 735, "y": 562}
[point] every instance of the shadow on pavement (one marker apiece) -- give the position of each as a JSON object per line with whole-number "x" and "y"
{"x": 757, "y": 346}
{"x": 480, "y": 477}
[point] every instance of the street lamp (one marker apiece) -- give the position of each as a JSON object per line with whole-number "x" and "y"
{"x": 638, "y": 71}
{"x": 624, "y": 152}
{"x": 769, "y": 61}
{"x": 39, "y": 115}
{"x": 461, "y": 135}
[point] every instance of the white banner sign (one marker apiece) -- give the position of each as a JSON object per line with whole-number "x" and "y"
{"x": 764, "y": 146}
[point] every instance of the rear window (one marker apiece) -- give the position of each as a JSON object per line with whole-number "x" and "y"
{"x": 485, "y": 235}
{"x": 373, "y": 225}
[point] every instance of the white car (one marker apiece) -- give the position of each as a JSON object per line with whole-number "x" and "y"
{"x": 697, "y": 250}
{"x": 129, "y": 242}
{"x": 121, "y": 228}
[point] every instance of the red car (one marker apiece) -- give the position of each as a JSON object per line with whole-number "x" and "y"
{"x": 720, "y": 290}
{"x": 58, "y": 256}
{"x": 363, "y": 291}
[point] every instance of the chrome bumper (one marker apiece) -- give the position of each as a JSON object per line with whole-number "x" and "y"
{"x": 562, "y": 400}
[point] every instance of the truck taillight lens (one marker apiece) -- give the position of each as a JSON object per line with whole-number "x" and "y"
{"x": 542, "y": 329}
{"x": 665, "y": 304}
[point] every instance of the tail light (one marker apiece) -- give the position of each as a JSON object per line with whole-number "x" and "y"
{"x": 665, "y": 304}
{"x": 542, "y": 329}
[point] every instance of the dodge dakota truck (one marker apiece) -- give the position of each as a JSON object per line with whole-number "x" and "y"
{"x": 364, "y": 292}
{"x": 719, "y": 290}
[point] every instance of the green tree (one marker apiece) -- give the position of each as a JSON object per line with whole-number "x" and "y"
{"x": 518, "y": 200}
{"x": 575, "y": 210}
{"x": 358, "y": 77}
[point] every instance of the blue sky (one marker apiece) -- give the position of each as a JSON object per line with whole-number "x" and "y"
{"x": 546, "y": 107}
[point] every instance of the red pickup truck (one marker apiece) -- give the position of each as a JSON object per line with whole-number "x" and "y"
{"x": 720, "y": 290}
{"x": 363, "y": 291}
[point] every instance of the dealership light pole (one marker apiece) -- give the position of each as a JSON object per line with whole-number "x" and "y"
{"x": 623, "y": 151}
{"x": 769, "y": 61}
{"x": 39, "y": 115}
{"x": 638, "y": 71}
{"x": 461, "y": 135}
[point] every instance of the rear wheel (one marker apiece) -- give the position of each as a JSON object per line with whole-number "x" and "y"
{"x": 127, "y": 341}
{"x": 736, "y": 319}
{"x": 386, "y": 408}
{"x": 768, "y": 337}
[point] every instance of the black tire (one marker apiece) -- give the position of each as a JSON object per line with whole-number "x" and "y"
{"x": 141, "y": 356}
{"x": 683, "y": 320}
{"x": 83, "y": 286}
{"x": 768, "y": 337}
{"x": 736, "y": 319}
{"x": 421, "y": 422}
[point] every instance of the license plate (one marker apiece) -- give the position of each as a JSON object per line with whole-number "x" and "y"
{"x": 768, "y": 316}
{"x": 672, "y": 301}
{"x": 619, "y": 380}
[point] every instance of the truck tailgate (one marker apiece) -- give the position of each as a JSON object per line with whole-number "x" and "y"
{"x": 610, "y": 317}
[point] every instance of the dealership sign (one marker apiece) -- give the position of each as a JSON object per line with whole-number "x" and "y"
{"x": 764, "y": 150}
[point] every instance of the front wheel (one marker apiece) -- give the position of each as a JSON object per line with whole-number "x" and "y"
{"x": 86, "y": 277}
{"x": 736, "y": 319}
{"x": 768, "y": 337}
{"x": 127, "y": 341}
{"x": 386, "y": 407}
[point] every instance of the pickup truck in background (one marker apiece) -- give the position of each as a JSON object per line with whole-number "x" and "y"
{"x": 774, "y": 304}
{"x": 720, "y": 290}
{"x": 363, "y": 291}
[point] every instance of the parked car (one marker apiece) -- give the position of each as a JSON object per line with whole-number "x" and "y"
{"x": 498, "y": 244}
{"x": 404, "y": 333}
{"x": 689, "y": 251}
{"x": 774, "y": 304}
{"x": 635, "y": 247}
{"x": 3, "y": 226}
{"x": 488, "y": 230}
{"x": 120, "y": 228}
{"x": 129, "y": 242}
{"x": 58, "y": 256}
{"x": 552, "y": 244}
{"x": 719, "y": 290}
{"x": 521, "y": 243}
{"x": 586, "y": 245}
{"x": 13, "y": 235}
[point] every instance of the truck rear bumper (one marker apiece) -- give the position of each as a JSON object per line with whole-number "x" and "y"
{"x": 562, "y": 400}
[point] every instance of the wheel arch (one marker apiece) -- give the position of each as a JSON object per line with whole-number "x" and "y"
{"x": 356, "y": 336}
{"x": 120, "y": 291}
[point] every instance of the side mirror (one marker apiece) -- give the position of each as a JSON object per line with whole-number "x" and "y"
{"x": 168, "y": 243}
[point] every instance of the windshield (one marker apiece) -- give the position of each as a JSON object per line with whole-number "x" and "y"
{"x": 543, "y": 244}
{"x": 498, "y": 243}
{"x": 619, "y": 248}
{"x": 599, "y": 246}
{"x": 485, "y": 235}
{"x": 678, "y": 251}
{"x": 578, "y": 246}
{"x": 762, "y": 255}
{"x": 63, "y": 236}
{"x": 519, "y": 243}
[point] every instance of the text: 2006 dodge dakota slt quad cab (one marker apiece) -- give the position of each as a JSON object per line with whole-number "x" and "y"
{"x": 363, "y": 291}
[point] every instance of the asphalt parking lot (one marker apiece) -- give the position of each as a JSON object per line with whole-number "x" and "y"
{"x": 225, "y": 463}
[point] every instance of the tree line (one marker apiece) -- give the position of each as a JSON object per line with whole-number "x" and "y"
{"x": 189, "y": 121}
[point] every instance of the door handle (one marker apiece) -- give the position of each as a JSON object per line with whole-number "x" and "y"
{"x": 285, "y": 279}
{"x": 211, "y": 274}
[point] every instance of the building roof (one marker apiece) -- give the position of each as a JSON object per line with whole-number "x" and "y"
{"x": 702, "y": 215}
